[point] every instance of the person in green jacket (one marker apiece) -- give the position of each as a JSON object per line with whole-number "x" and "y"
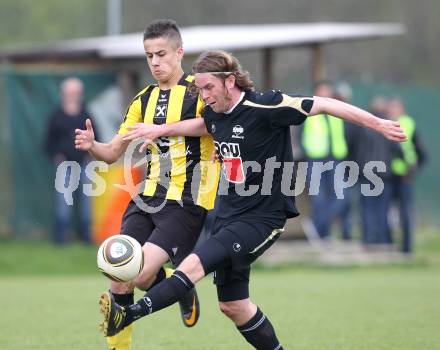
{"x": 323, "y": 141}
{"x": 404, "y": 167}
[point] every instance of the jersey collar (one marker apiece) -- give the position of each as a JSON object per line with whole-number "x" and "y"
{"x": 236, "y": 104}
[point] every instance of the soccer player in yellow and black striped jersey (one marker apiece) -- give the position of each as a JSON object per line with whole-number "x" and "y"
{"x": 173, "y": 160}
{"x": 181, "y": 180}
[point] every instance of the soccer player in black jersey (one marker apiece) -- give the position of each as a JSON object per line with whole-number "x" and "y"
{"x": 252, "y": 139}
{"x": 182, "y": 193}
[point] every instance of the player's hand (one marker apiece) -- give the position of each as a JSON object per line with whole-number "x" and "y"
{"x": 147, "y": 132}
{"x": 84, "y": 138}
{"x": 392, "y": 130}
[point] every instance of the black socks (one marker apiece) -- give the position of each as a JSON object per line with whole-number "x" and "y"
{"x": 258, "y": 331}
{"x": 128, "y": 299}
{"x": 161, "y": 275}
{"x": 124, "y": 299}
{"x": 160, "y": 296}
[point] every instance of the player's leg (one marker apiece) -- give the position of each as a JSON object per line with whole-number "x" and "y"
{"x": 177, "y": 231}
{"x": 252, "y": 324}
{"x": 209, "y": 256}
{"x": 138, "y": 225}
{"x": 234, "y": 302}
{"x": 162, "y": 295}
{"x": 246, "y": 240}
{"x": 123, "y": 293}
{"x": 152, "y": 272}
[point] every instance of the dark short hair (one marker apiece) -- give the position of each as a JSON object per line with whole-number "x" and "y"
{"x": 163, "y": 28}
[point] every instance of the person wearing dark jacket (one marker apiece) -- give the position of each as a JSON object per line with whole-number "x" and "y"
{"x": 367, "y": 147}
{"x": 60, "y": 146}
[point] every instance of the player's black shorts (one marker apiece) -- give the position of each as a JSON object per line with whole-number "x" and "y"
{"x": 231, "y": 249}
{"x": 173, "y": 228}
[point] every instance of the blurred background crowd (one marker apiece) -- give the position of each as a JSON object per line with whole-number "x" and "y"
{"x": 386, "y": 217}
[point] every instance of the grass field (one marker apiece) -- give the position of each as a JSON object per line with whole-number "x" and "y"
{"x": 49, "y": 301}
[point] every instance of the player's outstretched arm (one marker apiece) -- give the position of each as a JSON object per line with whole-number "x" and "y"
{"x": 390, "y": 129}
{"x": 107, "y": 152}
{"x": 149, "y": 132}
{"x": 190, "y": 127}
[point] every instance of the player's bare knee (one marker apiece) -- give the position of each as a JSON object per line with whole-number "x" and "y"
{"x": 156, "y": 258}
{"x": 143, "y": 284}
{"x": 230, "y": 309}
{"x": 225, "y": 309}
{"x": 145, "y": 278}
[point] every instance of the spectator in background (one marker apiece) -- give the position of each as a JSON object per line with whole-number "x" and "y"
{"x": 375, "y": 229}
{"x": 323, "y": 140}
{"x": 344, "y": 93}
{"x": 404, "y": 167}
{"x": 60, "y": 146}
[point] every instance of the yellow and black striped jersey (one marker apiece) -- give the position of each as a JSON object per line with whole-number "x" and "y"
{"x": 178, "y": 167}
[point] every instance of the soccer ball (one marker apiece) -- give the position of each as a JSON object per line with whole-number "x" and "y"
{"x": 120, "y": 258}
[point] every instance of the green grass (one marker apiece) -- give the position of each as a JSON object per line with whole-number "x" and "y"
{"x": 380, "y": 307}
{"x": 24, "y": 258}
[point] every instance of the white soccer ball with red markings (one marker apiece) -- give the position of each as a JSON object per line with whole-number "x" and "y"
{"x": 120, "y": 258}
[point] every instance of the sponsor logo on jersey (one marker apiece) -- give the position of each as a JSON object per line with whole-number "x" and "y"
{"x": 161, "y": 111}
{"x": 227, "y": 149}
{"x": 163, "y": 98}
{"x": 232, "y": 163}
{"x": 237, "y": 132}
